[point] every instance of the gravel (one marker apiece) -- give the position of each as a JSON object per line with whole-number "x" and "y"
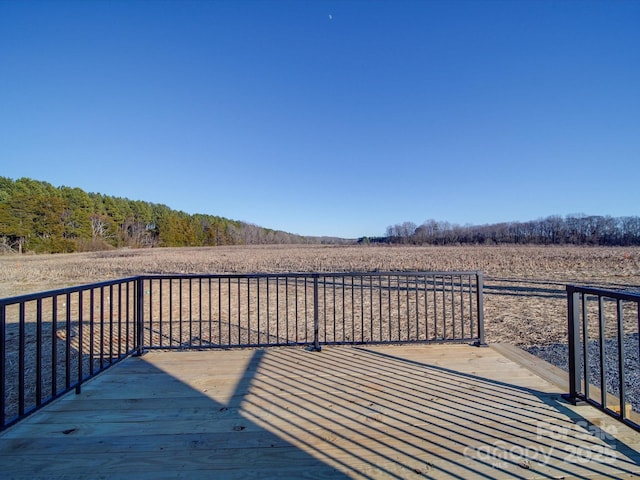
{"x": 558, "y": 355}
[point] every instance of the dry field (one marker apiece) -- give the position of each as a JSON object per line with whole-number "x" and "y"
{"x": 525, "y": 301}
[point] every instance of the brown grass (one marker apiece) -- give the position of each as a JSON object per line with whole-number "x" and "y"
{"x": 524, "y": 294}
{"x": 525, "y": 299}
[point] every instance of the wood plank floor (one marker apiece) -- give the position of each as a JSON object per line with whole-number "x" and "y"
{"x": 402, "y": 412}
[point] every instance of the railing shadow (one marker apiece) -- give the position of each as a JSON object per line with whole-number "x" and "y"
{"x": 531, "y": 288}
{"x": 141, "y": 419}
{"x": 524, "y": 288}
{"x": 289, "y": 413}
{"x": 504, "y": 426}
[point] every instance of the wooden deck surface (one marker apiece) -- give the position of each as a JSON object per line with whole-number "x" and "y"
{"x": 404, "y": 412}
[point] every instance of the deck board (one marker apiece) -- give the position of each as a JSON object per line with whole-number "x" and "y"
{"x": 448, "y": 411}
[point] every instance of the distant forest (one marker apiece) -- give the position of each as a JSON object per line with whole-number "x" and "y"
{"x": 37, "y": 217}
{"x": 578, "y": 229}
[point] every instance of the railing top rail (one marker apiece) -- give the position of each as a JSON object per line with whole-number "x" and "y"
{"x": 63, "y": 291}
{"x": 603, "y": 292}
{"x": 177, "y": 276}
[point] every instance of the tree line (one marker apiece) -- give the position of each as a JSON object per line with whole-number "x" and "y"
{"x": 576, "y": 229}
{"x": 37, "y": 217}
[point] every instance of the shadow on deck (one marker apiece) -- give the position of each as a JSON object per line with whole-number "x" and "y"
{"x": 403, "y": 412}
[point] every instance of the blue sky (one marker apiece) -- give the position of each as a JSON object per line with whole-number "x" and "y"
{"x": 326, "y": 117}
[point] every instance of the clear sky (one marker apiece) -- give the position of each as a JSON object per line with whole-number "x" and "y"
{"x": 329, "y": 117}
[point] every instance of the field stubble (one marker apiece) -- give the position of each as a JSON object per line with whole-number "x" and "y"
{"x": 525, "y": 299}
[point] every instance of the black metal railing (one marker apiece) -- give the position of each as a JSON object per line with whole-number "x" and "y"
{"x": 603, "y": 349}
{"x": 209, "y": 311}
{"x": 52, "y": 342}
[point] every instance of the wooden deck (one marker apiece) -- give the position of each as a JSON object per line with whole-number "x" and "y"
{"x": 403, "y": 412}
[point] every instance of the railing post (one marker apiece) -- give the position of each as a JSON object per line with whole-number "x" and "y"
{"x": 80, "y": 346}
{"x": 3, "y": 316}
{"x": 316, "y": 313}
{"x": 574, "y": 340}
{"x": 139, "y": 315}
{"x": 621, "y": 367}
{"x": 480, "y": 309}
